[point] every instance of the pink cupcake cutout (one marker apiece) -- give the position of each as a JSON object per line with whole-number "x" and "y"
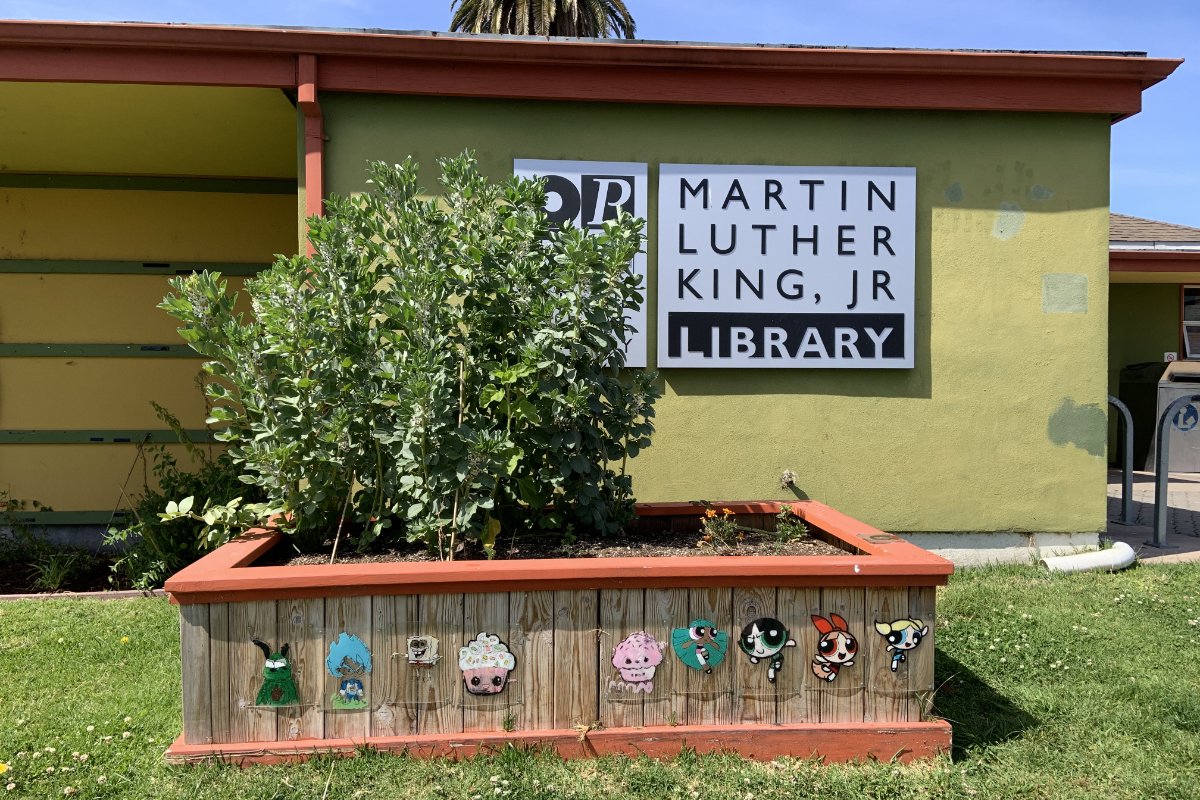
{"x": 485, "y": 664}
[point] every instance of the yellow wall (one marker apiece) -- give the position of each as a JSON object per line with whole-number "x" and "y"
{"x": 78, "y": 477}
{"x": 176, "y": 133}
{"x": 146, "y": 130}
{"x": 97, "y": 309}
{"x": 101, "y": 224}
{"x": 1002, "y": 423}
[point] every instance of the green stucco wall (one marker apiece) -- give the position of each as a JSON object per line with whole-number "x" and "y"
{"x": 1000, "y": 426}
{"x": 1143, "y": 323}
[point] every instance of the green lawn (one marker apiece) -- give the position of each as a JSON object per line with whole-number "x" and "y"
{"x": 1058, "y": 686}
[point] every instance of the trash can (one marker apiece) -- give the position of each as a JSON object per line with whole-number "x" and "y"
{"x": 1181, "y": 378}
{"x": 1138, "y": 390}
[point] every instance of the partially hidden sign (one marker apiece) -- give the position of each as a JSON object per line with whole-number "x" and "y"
{"x": 766, "y": 266}
{"x": 587, "y": 194}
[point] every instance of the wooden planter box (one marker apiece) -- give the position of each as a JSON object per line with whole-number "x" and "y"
{"x": 561, "y": 621}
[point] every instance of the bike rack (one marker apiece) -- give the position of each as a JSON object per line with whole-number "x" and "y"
{"x": 1127, "y": 466}
{"x": 1161, "y": 476}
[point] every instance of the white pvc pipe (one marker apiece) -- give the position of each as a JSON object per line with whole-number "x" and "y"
{"x": 1117, "y": 557}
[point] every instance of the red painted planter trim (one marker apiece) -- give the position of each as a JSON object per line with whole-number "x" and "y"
{"x": 881, "y": 560}
{"x": 901, "y": 741}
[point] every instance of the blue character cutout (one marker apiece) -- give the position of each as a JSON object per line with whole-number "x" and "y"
{"x": 349, "y": 661}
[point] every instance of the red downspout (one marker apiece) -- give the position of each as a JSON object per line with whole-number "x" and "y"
{"x": 314, "y": 138}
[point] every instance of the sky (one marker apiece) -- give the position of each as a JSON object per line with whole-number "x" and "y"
{"x": 1155, "y": 155}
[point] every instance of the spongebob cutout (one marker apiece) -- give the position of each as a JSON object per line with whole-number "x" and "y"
{"x": 349, "y": 661}
{"x": 700, "y": 645}
{"x": 902, "y": 635}
{"x": 422, "y": 651}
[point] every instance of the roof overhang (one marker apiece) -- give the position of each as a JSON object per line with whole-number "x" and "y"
{"x": 1136, "y": 264}
{"x": 563, "y": 69}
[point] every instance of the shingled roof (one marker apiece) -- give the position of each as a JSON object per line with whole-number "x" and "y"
{"x": 1136, "y": 233}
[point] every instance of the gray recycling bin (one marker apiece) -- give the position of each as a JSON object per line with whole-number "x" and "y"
{"x": 1180, "y": 378}
{"x": 1138, "y": 390}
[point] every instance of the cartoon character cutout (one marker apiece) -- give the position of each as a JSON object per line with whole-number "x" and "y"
{"x": 835, "y": 649}
{"x": 349, "y": 661}
{"x": 700, "y": 645}
{"x": 485, "y": 664}
{"x": 278, "y": 686}
{"x": 422, "y": 651}
{"x": 765, "y": 639}
{"x": 636, "y": 659}
{"x": 902, "y": 635}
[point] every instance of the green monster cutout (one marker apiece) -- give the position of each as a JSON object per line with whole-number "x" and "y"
{"x": 278, "y": 687}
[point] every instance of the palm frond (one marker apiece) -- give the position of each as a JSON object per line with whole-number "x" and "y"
{"x": 580, "y": 18}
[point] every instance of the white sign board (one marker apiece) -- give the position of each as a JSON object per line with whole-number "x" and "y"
{"x": 763, "y": 266}
{"x": 587, "y": 193}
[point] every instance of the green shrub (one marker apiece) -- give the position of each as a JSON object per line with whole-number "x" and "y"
{"x": 452, "y": 365}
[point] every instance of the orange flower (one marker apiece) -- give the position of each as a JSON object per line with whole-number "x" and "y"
{"x": 727, "y": 512}
{"x": 710, "y": 513}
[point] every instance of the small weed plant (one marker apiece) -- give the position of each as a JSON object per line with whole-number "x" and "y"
{"x": 153, "y": 548}
{"x": 719, "y": 531}
{"x": 443, "y": 369}
{"x": 789, "y": 527}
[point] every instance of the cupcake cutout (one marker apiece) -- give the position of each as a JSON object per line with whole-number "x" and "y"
{"x": 485, "y": 664}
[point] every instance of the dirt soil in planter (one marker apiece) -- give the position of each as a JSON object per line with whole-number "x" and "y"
{"x": 630, "y": 544}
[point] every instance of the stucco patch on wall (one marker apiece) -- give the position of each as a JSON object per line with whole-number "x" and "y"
{"x": 1084, "y": 426}
{"x": 955, "y": 193}
{"x": 1009, "y": 220}
{"x": 1039, "y": 192}
{"x": 1064, "y": 293}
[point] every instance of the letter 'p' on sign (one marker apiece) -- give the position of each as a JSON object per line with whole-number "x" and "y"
{"x": 587, "y": 194}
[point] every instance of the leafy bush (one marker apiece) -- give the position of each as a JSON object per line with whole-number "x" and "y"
{"x": 450, "y": 364}
{"x": 154, "y": 548}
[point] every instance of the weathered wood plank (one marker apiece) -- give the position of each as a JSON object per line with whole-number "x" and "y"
{"x": 532, "y": 620}
{"x": 710, "y": 694}
{"x": 488, "y": 613}
{"x": 923, "y": 606}
{"x": 301, "y": 625}
{"x": 218, "y": 674}
{"x": 350, "y": 615}
{"x": 887, "y": 692}
{"x": 392, "y": 618}
{"x": 667, "y": 609}
{"x": 622, "y": 613}
{"x": 842, "y": 699}
{"x": 196, "y": 660}
{"x": 797, "y": 689}
{"x": 753, "y": 690}
{"x": 435, "y": 693}
{"x": 576, "y": 658}
{"x": 250, "y": 722}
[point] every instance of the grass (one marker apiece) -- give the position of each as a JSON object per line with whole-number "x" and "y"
{"x": 1064, "y": 686}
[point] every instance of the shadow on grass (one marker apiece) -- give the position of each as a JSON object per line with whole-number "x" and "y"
{"x": 980, "y": 715}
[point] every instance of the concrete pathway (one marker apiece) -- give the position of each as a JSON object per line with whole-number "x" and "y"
{"x": 1183, "y": 520}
